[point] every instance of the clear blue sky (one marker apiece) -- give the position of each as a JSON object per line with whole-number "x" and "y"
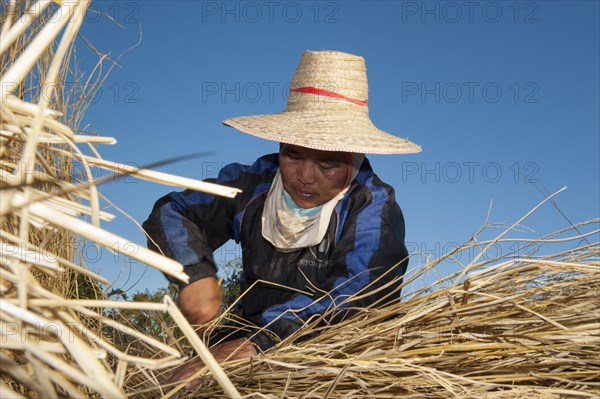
{"x": 499, "y": 94}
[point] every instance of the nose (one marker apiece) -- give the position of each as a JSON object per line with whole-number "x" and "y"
{"x": 306, "y": 173}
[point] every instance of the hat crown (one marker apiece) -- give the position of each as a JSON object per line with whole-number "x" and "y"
{"x": 329, "y": 81}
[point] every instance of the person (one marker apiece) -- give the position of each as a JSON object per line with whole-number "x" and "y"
{"x": 316, "y": 225}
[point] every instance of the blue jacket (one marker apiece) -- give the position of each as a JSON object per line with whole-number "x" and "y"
{"x": 363, "y": 249}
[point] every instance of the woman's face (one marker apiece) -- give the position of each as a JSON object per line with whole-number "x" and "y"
{"x": 312, "y": 177}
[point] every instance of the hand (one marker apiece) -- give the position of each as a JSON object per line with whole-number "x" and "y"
{"x": 231, "y": 350}
{"x": 200, "y": 302}
{"x": 235, "y": 349}
{"x": 185, "y": 371}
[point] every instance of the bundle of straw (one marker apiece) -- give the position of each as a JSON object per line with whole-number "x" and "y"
{"x": 512, "y": 326}
{"x": 53, "y": 343}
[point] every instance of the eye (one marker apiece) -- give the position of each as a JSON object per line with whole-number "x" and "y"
{"x": 328, "y": 166}
{"x": 291, "y": 154}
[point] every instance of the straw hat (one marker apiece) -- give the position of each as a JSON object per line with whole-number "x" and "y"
{"x": 326, "y": 110}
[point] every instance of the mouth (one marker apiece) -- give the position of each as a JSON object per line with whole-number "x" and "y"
{"x": 303, "y": 196}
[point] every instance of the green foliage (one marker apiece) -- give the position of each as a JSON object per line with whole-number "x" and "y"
{"x": 86, "y": 288}
{"x": 152, "y": 323}
{"x": 230, "y": 285}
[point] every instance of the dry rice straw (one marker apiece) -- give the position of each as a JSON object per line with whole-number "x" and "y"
{"x": 507, "y": 327}
{"x": 75, "y": 366}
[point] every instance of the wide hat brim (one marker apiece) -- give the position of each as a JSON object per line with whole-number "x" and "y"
{"x": 327, "y": 109}
{"x": 324, "y": 131}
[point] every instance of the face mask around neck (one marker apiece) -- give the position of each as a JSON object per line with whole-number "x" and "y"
{"x": 298, "y": 211}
